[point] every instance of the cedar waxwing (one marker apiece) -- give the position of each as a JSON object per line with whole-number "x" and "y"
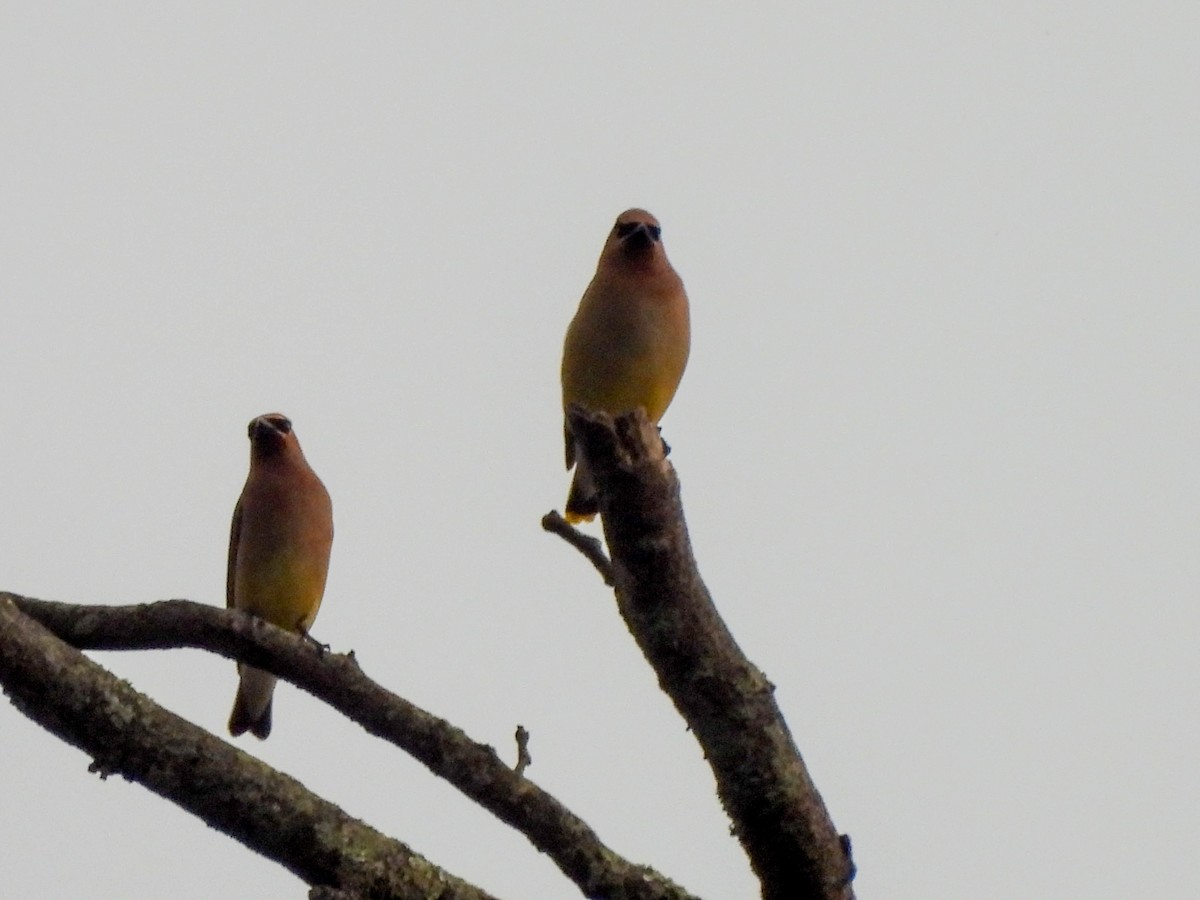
{"x": 628, "y": 343}
{"x": 278, "y": 554}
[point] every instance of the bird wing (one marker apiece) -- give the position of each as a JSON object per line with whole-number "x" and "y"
{"x": 235, "y": 533}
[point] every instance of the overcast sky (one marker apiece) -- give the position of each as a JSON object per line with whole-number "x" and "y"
{"x": 937, "y": 439}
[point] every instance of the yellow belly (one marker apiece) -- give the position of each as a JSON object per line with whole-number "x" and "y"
{"x": 281, "y": 591}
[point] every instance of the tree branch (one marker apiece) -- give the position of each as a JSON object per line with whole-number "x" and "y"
{"x": 728, "y": 703}
{"x": 126, "y": 733}
{"x": 475, "y": 769}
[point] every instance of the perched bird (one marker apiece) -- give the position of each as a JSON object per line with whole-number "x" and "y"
{"x": 628, "y": 343}
{"x": 278, "y": 554}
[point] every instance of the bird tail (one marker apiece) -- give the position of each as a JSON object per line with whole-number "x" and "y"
{"x": 252, "y": 707}
{"x": 582, "y": 501}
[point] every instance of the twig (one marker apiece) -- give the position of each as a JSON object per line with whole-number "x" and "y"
{"x": 524, "y": 760}
{"x": 589, "y": 546}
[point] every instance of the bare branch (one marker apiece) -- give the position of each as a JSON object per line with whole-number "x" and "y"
{"x": 585, "y": 544}
{"x": 126, "y": 733}
{"x": 475, "y": 769}
{"x": 777, "y": 813}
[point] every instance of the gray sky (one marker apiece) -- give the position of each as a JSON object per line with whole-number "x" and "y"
{"x": 937, "y": 439}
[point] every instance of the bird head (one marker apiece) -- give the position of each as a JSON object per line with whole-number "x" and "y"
{"x": 635, "y": 239}
{"x": 637, "y": 230}
{"x": 270, "y": 434}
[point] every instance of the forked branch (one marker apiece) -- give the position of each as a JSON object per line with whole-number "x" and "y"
{"x": 727, "y": 702}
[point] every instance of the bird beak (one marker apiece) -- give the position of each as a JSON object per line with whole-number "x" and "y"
{"x": 640, "y": 238}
